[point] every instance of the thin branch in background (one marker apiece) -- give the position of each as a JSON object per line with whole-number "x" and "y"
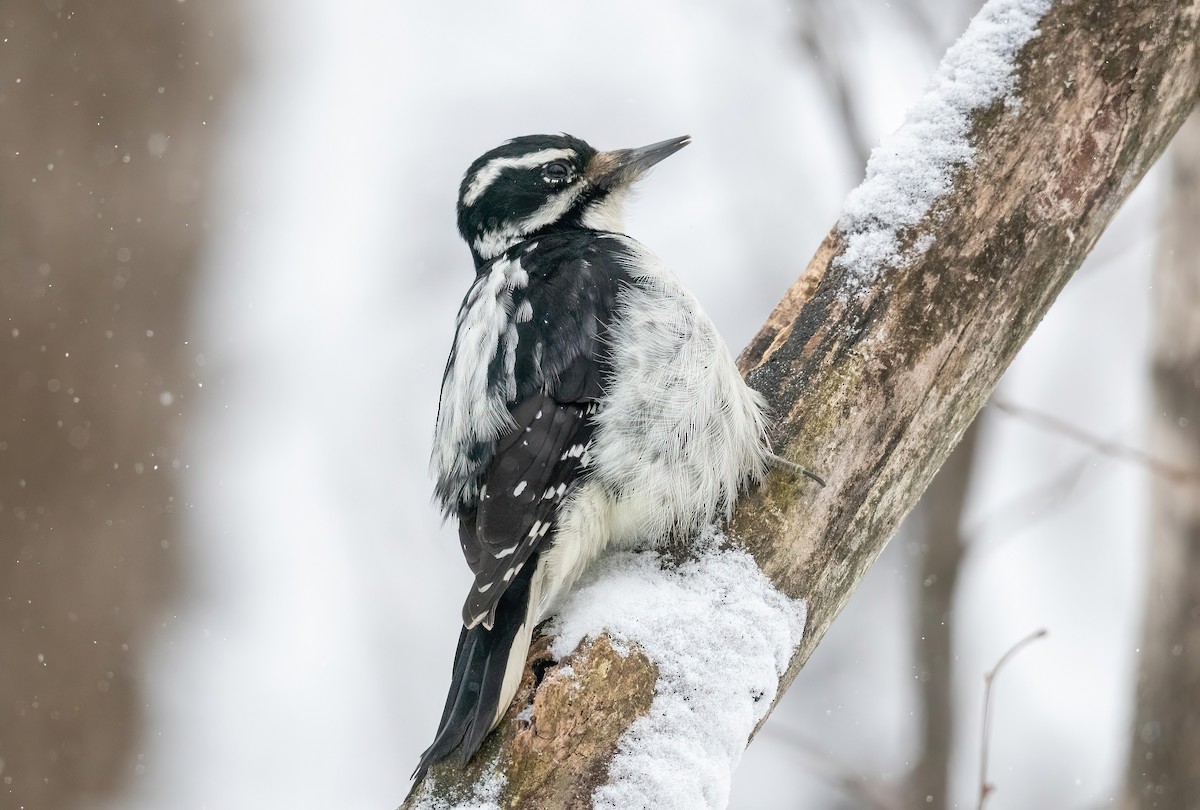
{"x": 819, "y": 39}
{"x": 830, "y": 770}
{"x": 1029, "y": 506}
{"x": 914, "y": 14}
{"x": 1112, "y": 449}
{"x": 985, "y": 787}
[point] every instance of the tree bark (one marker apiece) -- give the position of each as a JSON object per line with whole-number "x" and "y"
{"x": 872, "y": 388}
{"x": 108, "y": 112}
{"x": 1164, "y": 760}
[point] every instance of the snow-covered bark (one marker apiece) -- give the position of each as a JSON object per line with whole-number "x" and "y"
{"x": 973, "y": 215}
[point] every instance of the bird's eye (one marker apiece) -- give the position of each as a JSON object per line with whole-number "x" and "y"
{"x": 556, "y": 171}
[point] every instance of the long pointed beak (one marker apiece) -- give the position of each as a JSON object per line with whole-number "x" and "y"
{"x": 623, "y": 166}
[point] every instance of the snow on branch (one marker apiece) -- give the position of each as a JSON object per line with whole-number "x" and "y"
{"x": 721, "y": 636}
{"x": 915, "y": 165}
{"x": 485, "y": 794}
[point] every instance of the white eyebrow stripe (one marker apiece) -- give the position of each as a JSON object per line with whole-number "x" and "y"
{"x": 491, "y": 170}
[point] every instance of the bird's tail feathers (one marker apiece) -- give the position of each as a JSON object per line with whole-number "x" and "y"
{"x": 487, "y": 672}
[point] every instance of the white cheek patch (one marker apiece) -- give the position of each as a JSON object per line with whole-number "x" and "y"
{"x": 487, "y": 175}
{"x": 553, "y": 210}
{"x": 606, "y": 213}
{"x": 491, "y": 244}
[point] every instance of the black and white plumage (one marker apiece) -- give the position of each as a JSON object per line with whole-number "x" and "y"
{"x": 588, "y": 402}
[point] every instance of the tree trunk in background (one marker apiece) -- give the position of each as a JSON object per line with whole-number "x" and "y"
{"x": 106, "y": 132}
{"x": 942, "y": 508}
{"x": 1164, "y": 762}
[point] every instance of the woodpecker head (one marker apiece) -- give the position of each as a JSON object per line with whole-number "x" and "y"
{"x": 537, "y": 182}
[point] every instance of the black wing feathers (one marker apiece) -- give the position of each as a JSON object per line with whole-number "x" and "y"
{"x": 560, "y": 372}
{"x": 573, "y": 285}
{"x": 533, "y": 471}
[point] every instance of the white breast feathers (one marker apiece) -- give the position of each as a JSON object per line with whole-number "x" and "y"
{"x": 680, "y": 432}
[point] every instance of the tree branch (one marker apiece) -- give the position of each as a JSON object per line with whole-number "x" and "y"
{"x": 1111, "y": 449}
{"x": 972, "y": 219}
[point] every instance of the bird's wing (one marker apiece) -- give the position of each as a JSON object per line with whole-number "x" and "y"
{"x": 533, "y": 472}
{"x": 560, "y": 370}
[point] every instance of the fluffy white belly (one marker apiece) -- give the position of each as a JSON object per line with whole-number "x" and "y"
{"x": 679, "y": 433}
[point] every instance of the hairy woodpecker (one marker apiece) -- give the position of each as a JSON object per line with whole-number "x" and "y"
{"x": 587, "y": 402}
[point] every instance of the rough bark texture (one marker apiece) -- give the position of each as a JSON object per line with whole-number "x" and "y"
{"x": 560, "y": 754}
{"x": 942, "y": 508}
{"x": 1164, "y": 762}
{"x": 103, "y": 151}
{"x": 874, "y": 391}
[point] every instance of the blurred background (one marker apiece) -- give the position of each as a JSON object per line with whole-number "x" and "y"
{"x": 228, "y": 279}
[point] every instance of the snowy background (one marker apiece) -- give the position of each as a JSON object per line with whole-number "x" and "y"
{"x": 306, "y": 665}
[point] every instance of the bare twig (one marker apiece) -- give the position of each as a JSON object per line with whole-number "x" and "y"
{"x": 986, "y": 788}
{"x": 798, "y": 469}
{"x": 1043, "y": 496}
{"x": 1103, "y": 446}
{"x": 914, "y": 14}
{"x": 826, "y": 767}
{"x": 819, "y": 38}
